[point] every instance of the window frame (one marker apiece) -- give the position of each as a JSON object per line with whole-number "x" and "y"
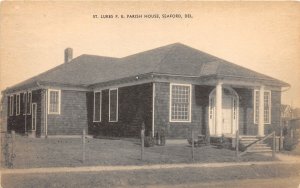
{"x": 59, "y": 101}
{"x": 269, "y": 105}
{"x": 100, "y": 110}
{"x": 24, "y": 103}
{"x": 29, "y": 102}
{"x": 18, "y": 104}
{"x": 11, "y": 105}
{"x": 117, "y": 106}
{"x": 190, "y": 103}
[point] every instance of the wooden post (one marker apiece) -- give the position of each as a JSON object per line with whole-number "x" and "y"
{"x": 193, "y": 142}
{"x": 237, "y": 145}
{"x": 83, "y": 145}
{"x": 142, "y": 143}
{"x": 274, "y": 145}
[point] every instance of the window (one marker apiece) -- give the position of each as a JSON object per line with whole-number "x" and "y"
{"x": 267, "y": 106}
{"x": 11, "y": 105}
{"x": 113, "y": 105}
{"x": 24, "y": 102}
{"x": 54, "y": 101}
{"x": 29, "y": 101}
{"x": 180, "y": 103}
{"x": 97, "y": 106}
{"x": 18, "y": 104}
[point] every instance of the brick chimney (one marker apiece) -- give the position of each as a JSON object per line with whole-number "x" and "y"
{"x": 68, "y": 55}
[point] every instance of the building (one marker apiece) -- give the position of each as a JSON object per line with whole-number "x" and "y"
{"x": 174, "y": 88}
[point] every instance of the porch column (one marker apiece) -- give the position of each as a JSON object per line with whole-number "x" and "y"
{"x": 261, "y": 126}
{"x": 219, "y": 117}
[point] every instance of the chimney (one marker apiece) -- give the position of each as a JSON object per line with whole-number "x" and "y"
{"x": 68, "y": 55}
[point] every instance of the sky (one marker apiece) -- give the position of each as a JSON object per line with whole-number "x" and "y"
{"x": 262, "y": 36}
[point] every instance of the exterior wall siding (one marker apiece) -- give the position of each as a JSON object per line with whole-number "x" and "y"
{"x": 4, "y": 112}
{"x": 246, "y": 114}
{"x": 199, "y": 118}
{"x": 73, "y": 114}
{"x": 134, "y": 108}
{"x": 275, "y": 113}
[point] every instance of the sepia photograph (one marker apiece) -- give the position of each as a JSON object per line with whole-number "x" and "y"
{"x": 155, "y": 94}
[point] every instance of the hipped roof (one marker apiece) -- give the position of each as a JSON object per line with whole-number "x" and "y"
{"x": 174, "y": 59}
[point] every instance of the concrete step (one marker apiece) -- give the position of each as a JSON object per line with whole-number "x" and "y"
{"x": 246, "y": 143}
{"x": 249, "y": 139}
{"x": 259, "y": 148}
{"x": 248, "y": 136}
{"x": 261, "y": 145}
{"x": 259, "y": 151}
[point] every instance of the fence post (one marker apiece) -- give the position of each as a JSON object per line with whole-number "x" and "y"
{"x": 274, "y": 145}
{"x": 83, "y": 145}
{"x": 237, "y": 145}
{"x": 193, "y": 142}
{"x": 142, "y": 143}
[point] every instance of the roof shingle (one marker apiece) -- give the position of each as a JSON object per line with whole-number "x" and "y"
{"x": 177, "y": 59}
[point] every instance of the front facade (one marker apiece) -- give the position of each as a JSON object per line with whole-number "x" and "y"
{"x": 187, "y": 90}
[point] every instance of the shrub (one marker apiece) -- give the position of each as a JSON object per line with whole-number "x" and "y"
{"x": 149, "y": 141}
{"x": 290, "y": 143}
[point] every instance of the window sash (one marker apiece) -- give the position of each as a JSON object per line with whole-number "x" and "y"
{"x": 54, "y": 100}
{"x": 11, "y": 105}
{"x": 267, "y": 107}
{"x": 180, "y": 103}
{"x": 113, "y": 105}
{"x": 18, "y": 104}
{"x": 97, "y": 106}
{"x": 29, "y": 102}
{"x": 24, "y": 103}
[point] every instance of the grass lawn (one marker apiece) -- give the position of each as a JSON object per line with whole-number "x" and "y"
{"x": 143, "y": 178}
{"x": 67, "y": 152}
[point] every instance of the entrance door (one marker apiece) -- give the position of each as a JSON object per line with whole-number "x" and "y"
{"x": 227, "y": 115}
{"x": 33, "y": 120}
{"x": 229, "y": 112}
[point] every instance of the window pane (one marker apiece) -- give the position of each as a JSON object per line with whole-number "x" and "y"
{"x": 113, "y": 105}
{"x": 29, "y": 103}
{"x": 267, "y": 107}
{"x": 54, "y": 101}
{"x": 17, "y": 104}
{"x": 180, "y": 103}
{"x": 24, "y": 102}
{"x": 11, "y": 105}
{"x": 97, "y": 107}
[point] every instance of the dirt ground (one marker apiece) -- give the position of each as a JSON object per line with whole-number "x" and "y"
{"x": 67, "y": 152}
